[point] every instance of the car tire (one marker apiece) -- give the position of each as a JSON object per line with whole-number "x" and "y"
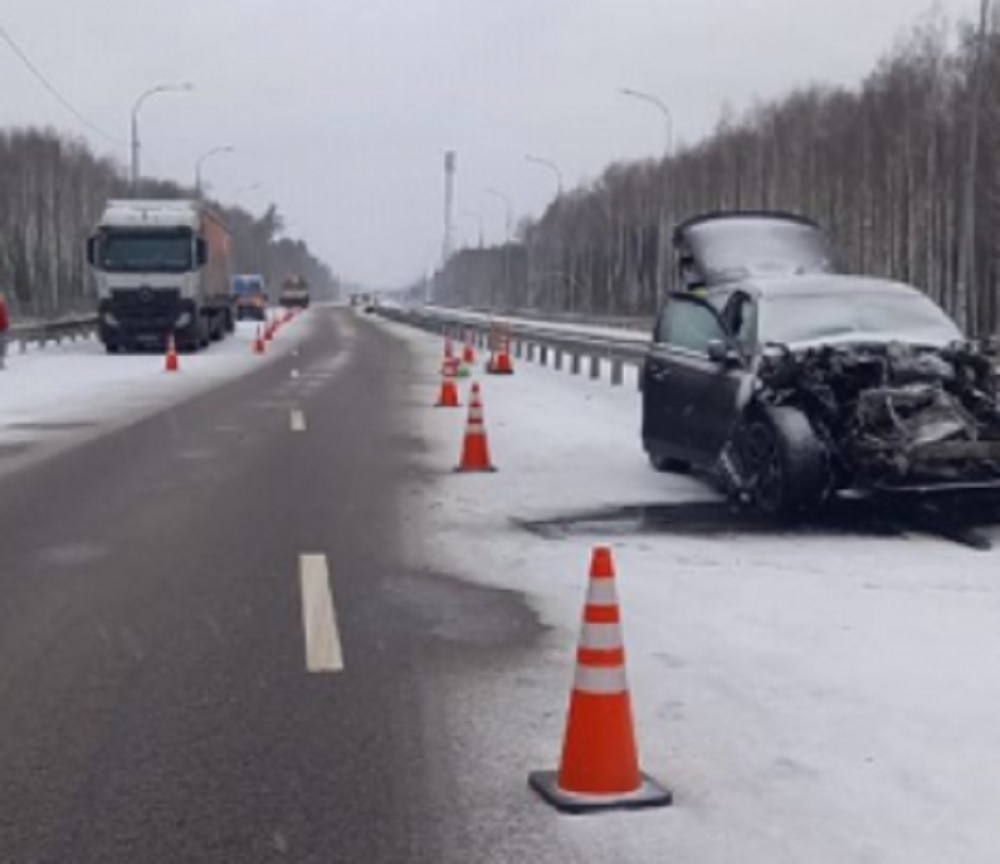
{"x": 785, "y": 465}
{"x": 112, "y": 347}
{"x": 666, "y": 465}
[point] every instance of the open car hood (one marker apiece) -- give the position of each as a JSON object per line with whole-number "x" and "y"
{"x": 723, "y": 248}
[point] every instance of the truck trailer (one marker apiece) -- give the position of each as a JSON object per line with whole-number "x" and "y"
{"x": 163, "y": 269}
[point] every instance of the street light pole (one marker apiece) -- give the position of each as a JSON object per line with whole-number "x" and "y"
{"x": 668, "y": 121}
{"x": 551, "y": 166}
{"x": 475, "y": 214}
{"x": 554, "y": 168}
{"x": 668, "y": 117}
{"x": 215, "y": 151}
{"x": 496, "y": 193}
{"x": 134, "y": 165}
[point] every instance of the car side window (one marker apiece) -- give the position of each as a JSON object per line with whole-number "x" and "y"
{"x": 691, "y": 326}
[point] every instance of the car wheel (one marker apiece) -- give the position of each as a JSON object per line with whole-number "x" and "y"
{"x": 112, "y": 347}
{"x": 784, "y": 463}
{"x": 666, "y": 465}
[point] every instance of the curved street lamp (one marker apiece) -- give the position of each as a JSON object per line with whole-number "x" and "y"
{"x": 135, "y": 169}
{"x": 215, "y": 151}
{"x": 551, "y": 166}
{"x": 660, "y": 105}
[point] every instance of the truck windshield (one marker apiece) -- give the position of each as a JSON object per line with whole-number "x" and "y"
{"x": 146, "y": 251}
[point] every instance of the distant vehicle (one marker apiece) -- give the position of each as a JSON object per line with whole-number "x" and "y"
{"x": 250, "y": 292}
{"x": 162, "y": 269}
{"x": 294, "y": 293}
{"x": 791, "y": 383}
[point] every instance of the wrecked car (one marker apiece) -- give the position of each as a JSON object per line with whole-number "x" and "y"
{"x": 792, "y": 383}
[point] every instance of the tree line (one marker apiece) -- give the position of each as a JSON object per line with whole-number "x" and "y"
{"x": 53, "y": 189}
{"x": 903, "y": 171}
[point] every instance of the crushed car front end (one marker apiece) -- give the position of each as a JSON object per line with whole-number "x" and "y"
{"x": 893, "y": 416}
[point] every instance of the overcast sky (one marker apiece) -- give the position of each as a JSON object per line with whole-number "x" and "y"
{"x": 342, "y": 109}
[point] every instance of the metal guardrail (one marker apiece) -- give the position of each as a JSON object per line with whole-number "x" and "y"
{"x": 43, "y": 332}
{"x": 535, "y": 342}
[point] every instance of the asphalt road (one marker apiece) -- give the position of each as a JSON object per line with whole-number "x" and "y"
{"x": 156, "y": 700}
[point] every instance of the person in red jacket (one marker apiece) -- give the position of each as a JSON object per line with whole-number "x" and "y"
{"x": 4, "y": 329}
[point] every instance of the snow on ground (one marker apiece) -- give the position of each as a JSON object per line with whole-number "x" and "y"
{"x": 52, "y": 394}
{"x": 809, "y": 696}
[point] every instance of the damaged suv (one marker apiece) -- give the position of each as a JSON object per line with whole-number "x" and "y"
{"x": 792, "y": 383}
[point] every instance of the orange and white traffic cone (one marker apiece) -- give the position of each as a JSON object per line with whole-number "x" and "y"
{"x": 468, "y": 354}
{"x": 599, "y": 769}
{"x": 258, "y": 343}
{"x": 476, "y": 446}
{"x": 171, "y": 362}
{"x": 500, "y": 364}
{"x": 448, "y": 395}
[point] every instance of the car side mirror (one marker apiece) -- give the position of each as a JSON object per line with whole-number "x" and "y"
{"x": 92, "y": 251}
{"x": 200, "y": 252}
{"x": 724, "y": 354}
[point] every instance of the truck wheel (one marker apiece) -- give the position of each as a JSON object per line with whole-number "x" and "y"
{"x": 784, "y": 464}
{"x": 112, "y": 347}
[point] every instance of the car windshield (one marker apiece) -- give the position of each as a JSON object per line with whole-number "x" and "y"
{"x": 731, "y": 249}
{"x": 796, "y": 318}
{"x": 146, "y": 252}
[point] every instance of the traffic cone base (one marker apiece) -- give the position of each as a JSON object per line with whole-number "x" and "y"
{"x": 599, "y": 769}
{"x": 649, "y": 794}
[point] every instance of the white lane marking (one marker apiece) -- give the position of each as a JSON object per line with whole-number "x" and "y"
{"x": 295, "y": 373}
{"x": 319, "y": 617}
{"x": 298, "y": 421}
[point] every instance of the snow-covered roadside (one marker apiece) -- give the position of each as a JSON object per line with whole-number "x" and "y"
{"x": 809, "y": 697}
{"x": 61, "y": 392}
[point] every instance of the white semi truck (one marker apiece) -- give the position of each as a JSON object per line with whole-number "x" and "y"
{"x": 163, "y": 269}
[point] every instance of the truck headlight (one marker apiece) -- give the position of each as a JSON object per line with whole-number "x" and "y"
{"x": 183, "y": 320}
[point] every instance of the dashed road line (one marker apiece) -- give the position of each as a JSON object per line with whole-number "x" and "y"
{"x": 298, "y": 421}
{"x": 319, "y": 617}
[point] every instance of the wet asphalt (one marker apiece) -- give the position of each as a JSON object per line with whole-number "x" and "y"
{"x": 155, "y": 699}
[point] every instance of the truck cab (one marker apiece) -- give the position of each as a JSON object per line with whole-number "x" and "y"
{"x": 162, "y": 271}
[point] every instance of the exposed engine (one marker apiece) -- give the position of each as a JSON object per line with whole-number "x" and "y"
{"x": 894, "y": 415}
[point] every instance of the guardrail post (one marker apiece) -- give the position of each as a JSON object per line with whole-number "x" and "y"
{"x": 543, "y": 355}
{"x": 557, "y": 360}
{"x": 518, "y": 349}
{"x": 574, "y": 365}
{"x": 617, "y": 372}
{"x": 595, "y": 366}
{"x": 531, "y": 351}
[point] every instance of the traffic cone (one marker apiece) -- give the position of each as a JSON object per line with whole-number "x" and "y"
{"x": 599, "y": 769}
{"x": 500, "y": 363}
{"x": 171, "y": 362}
{"x": 258, "y": 343}
{"x": 448, "y": 395}
{"x": 476, "y": 447}
{"x": 468, "y": 353}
